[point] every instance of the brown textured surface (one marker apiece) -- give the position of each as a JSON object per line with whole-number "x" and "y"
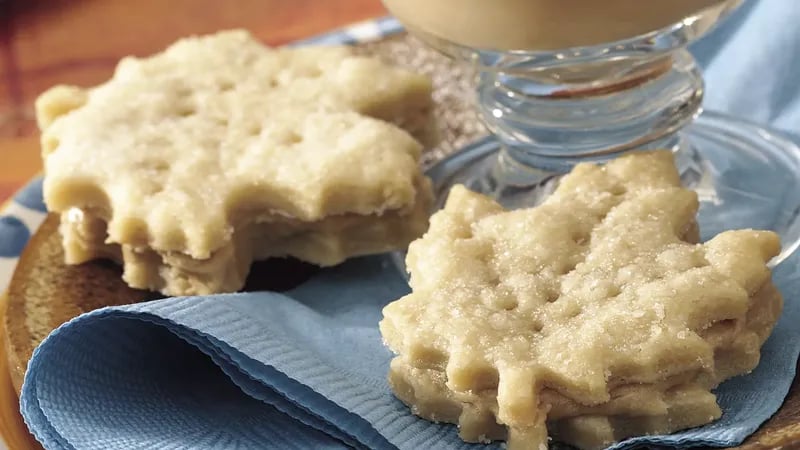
{"x": 44, "y": 292}
{"x": 454, "y": 97}
{"x": 12, "y": 428}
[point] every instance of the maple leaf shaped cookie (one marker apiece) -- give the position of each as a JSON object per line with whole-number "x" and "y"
{"x": 520, "y": 317}
{"x": 219, "y": 151}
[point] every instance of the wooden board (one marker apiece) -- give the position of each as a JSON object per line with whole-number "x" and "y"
{"x": 12, "y": 428}
{"x": 45, "y": 292}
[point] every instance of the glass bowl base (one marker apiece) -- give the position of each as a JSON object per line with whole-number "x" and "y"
{"x": 745, "y": 175}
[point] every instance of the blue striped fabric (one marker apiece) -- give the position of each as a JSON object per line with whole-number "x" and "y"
{"x": 18, "y": 220}
{"x": 366, "y": 31}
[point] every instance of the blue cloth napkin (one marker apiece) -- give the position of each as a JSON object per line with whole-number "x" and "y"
{"x": 307, "y": 370}
{"x": 750, "y": 64}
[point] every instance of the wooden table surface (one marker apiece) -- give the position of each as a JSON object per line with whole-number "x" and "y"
{"x": 46, "y": 42}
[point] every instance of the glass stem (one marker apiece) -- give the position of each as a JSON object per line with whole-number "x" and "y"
{"x": 550, "y": 119}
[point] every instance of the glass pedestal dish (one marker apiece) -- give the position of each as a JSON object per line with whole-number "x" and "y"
{"x": 549, "y": 110}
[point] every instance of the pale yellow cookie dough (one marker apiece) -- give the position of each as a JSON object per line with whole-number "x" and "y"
{"x": 220, "y": 150}
{"x": 324, "y": 242}
{"x": 633, "y": 409}
{"x": 520, "y": 317}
